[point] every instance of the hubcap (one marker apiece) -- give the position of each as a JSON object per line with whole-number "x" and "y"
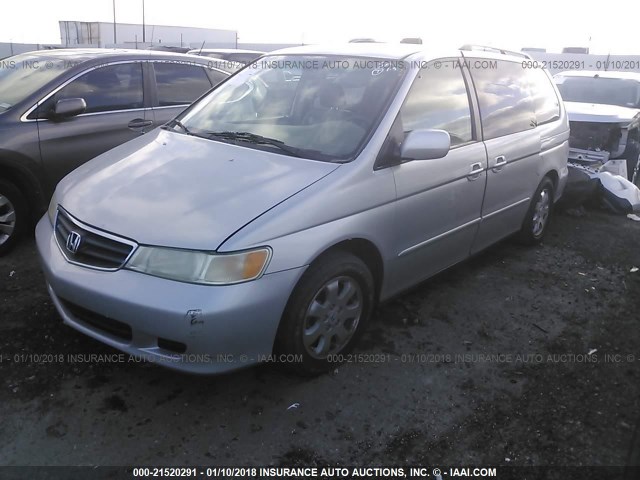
{"x": 7, "y": 219}
{"x": 541, "y": 212}
{"x": 332, "y": 317}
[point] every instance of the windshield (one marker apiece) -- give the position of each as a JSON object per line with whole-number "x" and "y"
{"x": 317, "y": 107}
{"x": 607, "y": 91}
{"x": 22, "y": 75}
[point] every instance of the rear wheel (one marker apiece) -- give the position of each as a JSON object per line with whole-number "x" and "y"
{"x": 326, "y": 312}
{"x": 13, "y": 215}
{"x": 537, "y": 219}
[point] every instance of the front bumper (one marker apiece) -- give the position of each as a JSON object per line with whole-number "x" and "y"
{"x": 187, "y": 327}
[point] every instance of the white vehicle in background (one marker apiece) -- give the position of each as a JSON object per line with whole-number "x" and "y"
{"x": 604, "y": 117}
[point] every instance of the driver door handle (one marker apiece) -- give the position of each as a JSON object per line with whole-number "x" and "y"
{"x": 476, "y": 170}
{"x": 139, "y": 123}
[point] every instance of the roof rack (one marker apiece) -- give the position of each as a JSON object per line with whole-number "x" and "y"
{"x": 483, "y": 48}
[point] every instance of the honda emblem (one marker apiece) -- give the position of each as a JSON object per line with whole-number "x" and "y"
{"x": 73, "y": 242}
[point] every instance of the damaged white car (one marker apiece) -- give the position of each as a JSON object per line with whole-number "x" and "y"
{"x": 604, "y": 117}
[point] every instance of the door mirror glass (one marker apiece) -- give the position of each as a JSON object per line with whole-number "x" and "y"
{"x": 425, "y": 145}
{"x": 69, "y": 107}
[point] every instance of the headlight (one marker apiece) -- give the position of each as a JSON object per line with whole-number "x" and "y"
{"x": 53, "y": 209}
{"x": 200, "y": 267}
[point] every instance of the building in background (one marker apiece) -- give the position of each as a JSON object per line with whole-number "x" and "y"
{"x": 129, "y": 35}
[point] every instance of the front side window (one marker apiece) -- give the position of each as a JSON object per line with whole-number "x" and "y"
{"x": 179, "y": 84}
{"x": 438, "y": 99}
{"x": 506, "y": 103}
{"x": 110, "y": 88}
{"x": 318, "y": 107}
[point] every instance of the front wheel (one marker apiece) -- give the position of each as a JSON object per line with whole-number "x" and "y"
{"x": 326, "y": 312}
{"x": 13, "y": 215}
{"x": 537, "y": 219}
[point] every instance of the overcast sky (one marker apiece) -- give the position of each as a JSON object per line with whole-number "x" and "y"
{"x": 606, "y": 27}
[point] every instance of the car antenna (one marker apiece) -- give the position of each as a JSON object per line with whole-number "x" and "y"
{"x": 201, "y": 47}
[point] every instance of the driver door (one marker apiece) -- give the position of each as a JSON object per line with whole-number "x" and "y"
{"x": 115, "y": 113}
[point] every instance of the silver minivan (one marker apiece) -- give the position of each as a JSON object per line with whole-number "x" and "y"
{"x": 267, "y": 220}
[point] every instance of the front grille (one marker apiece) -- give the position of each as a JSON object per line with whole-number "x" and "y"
{"x": 93, "y": 319}
{"x": 594, "y": 136}
{"x": 91, "y": 247}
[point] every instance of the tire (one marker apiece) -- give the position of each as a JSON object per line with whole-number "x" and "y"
{"x": 14, "y": 216}
{"x": 538, "y": 216}
{"x": 326, "y": 313}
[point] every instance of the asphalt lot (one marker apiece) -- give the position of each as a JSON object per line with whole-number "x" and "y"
{"x": 487, "y": 363}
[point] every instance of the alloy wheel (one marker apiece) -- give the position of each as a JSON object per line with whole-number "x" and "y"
{"x": 541, "y": 212}
{"x": 7, "y": 219}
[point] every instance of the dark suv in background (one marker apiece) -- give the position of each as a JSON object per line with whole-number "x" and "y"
{"x": 60, "y": 108}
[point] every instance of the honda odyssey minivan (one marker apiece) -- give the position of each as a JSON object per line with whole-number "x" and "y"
{"x": 268, "y": 219}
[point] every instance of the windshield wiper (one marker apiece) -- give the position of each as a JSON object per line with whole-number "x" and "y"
{"x": 181, "y": 125}
{"x": 249, "y": 137}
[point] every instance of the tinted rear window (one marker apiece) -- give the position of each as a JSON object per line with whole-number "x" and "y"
{"x": 180, "y": 84}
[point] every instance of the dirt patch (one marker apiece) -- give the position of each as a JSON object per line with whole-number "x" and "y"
{"x": 519, "y": 356}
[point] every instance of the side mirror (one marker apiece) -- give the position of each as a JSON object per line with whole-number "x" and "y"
{"x": 425, "y": 145}
{"x": 69, "y": 107}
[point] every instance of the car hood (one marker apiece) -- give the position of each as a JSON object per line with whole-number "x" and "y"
{"x": 598, "y": 113}
{"x": 175, "y": 190}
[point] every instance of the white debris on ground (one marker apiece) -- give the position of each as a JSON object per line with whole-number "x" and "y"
{"x": 617, "y": 193}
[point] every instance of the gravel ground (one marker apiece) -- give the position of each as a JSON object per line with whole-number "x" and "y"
{"x": 488, "y": 363}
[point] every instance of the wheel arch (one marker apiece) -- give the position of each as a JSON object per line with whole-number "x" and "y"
{"x": 28, "y": 183}
{"x": 555, "y": 180}
{"x": 363, "y": 249}
{"x": 366, "y": 251}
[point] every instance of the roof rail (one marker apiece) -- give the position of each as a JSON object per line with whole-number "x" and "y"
{"x": 483, "y": 48}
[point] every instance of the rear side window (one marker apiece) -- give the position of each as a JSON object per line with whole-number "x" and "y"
{"x": 506, "y": 103}
{"x": 546, "y": 103}
{"x": 179, "y": 84}
{"x": 110, "y": 88}
{"x": 438, "y": 99}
